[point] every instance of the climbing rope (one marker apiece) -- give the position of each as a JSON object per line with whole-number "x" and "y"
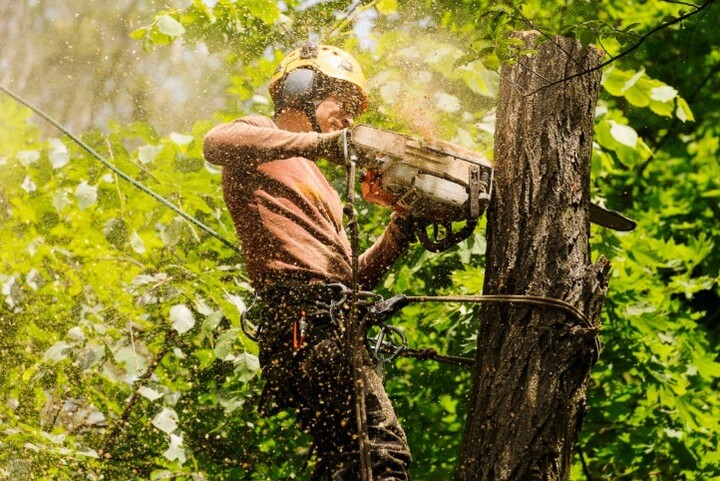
{"x": 397, "y": 350}
{"x": 355, "y": 333}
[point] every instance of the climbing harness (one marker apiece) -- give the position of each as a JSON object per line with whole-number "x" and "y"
{"x": 120, "y": 173}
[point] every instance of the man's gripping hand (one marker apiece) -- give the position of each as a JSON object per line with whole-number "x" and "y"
{"x": 331, "y": 146}
{"x": 405, "y": 223}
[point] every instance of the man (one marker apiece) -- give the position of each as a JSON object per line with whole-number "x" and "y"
{"x": 289, "y": 221}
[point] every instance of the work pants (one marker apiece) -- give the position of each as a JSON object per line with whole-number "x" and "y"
{"x": 316, "y": 380}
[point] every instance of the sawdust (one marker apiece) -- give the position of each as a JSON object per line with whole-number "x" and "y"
{"x": 417, "y": 112}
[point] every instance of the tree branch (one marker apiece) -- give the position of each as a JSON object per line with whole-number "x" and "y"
{"x": 125, "y": 416}
{"x": 354, "y": 11}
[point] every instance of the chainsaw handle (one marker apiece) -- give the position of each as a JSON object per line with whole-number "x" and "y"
{"x": 440, "y": 243}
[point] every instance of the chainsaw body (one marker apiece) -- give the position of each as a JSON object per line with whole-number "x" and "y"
{"x": 441, "y": 184}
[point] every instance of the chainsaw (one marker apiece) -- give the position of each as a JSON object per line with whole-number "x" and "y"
{"x": 445, "y": 186}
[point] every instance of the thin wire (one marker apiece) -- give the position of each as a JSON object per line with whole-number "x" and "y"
{"x": 120, "y": 173}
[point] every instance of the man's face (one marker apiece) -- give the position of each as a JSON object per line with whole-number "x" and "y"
{"x": 333, "y": 115}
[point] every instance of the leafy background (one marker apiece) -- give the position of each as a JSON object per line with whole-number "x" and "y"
{"x": 121, "y": 351}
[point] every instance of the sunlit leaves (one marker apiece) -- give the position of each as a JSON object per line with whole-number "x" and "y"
{"x": 162, "y": 31}
{"x": 28, "y": 157}
{"x": 683, "y": 111}
{"x": 116, "y": 232}
{"x": 266, "y": 10}
{"x": 181, "y": 139}
{"x": 57, "y": 351}
{"x": 215, "y": 24}
{"x": 642, "y": 91}
{"x": 623, "y": 140}
{"x": 137, "y": 243}
{"x": 28, "y": 185}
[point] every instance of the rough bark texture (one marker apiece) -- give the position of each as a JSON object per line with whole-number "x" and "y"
{"x": 532, "y": 366}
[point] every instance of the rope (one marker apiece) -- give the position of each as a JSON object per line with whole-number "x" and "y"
{"x": 543, "y": 301}
{"x": 355, "y": 331}
{"x": 509, "y": 299}
{"x": 433, "y": 355}
{"x": 120, "y": 173}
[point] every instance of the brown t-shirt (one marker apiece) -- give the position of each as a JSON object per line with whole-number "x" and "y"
{"x": 287, "y": 216}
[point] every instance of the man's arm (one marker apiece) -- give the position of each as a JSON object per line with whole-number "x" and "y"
{"x": 376, "y": 261}
{"x": 256, "y": 139}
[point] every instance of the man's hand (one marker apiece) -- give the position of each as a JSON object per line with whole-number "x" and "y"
{"x": 405, "y": 222}
{"x": 332, "y": 146}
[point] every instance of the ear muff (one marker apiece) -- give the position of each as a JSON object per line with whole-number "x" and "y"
{"x": 300, "y": 90}
{"x": 297, "y": 89}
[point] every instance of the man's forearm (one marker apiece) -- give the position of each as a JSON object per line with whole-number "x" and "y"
{"x": 379, "y": 258}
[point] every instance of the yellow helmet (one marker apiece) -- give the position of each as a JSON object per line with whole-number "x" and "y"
{"x": 296, "y": 82}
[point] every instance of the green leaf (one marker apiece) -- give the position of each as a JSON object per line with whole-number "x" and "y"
{"x": 706, "y": 366}
{"x": 86, "y": 195}
{"x": 624, "y": 134}
{"x": 181, "y": 139}
{"x": 247, "y": 366}
{"x": 58, "y": 154}
{"x": 176, "y": 451}
{"x": 225, "y": 345}
{"x": 149, "y": 393}
{"x": 664, "y": 93}
{"x": 90, "y": 356}
{"x": 182, "y": 318}
{"x": 147, "y": 153}
{"x": 28, "y": 157}
{"x": 116, "y": 232}
{"x": 211, "y": 322}
{"x": 683, "y": 111}
{"x": 137, "y": 243}
{"x": 166, "y": 420}
{"x": 171, "y": 234}
{"x": 169, "y": 26}
{"x": 57, "y": 352}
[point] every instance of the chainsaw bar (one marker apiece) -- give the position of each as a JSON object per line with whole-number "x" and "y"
{"x": 610, "y": 219}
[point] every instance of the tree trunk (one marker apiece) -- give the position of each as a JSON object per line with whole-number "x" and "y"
{"x": 533, "y": 362}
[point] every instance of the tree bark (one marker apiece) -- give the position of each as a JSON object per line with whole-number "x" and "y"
{"x": 533, "y": 362}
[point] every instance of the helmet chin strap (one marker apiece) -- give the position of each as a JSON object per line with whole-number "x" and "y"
{"x": 310, "y": 111}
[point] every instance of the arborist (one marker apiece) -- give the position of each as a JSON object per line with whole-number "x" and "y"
{"x": 289, "y": 220}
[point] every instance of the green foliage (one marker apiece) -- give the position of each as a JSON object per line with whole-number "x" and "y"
{"x": 122, "y": 349}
